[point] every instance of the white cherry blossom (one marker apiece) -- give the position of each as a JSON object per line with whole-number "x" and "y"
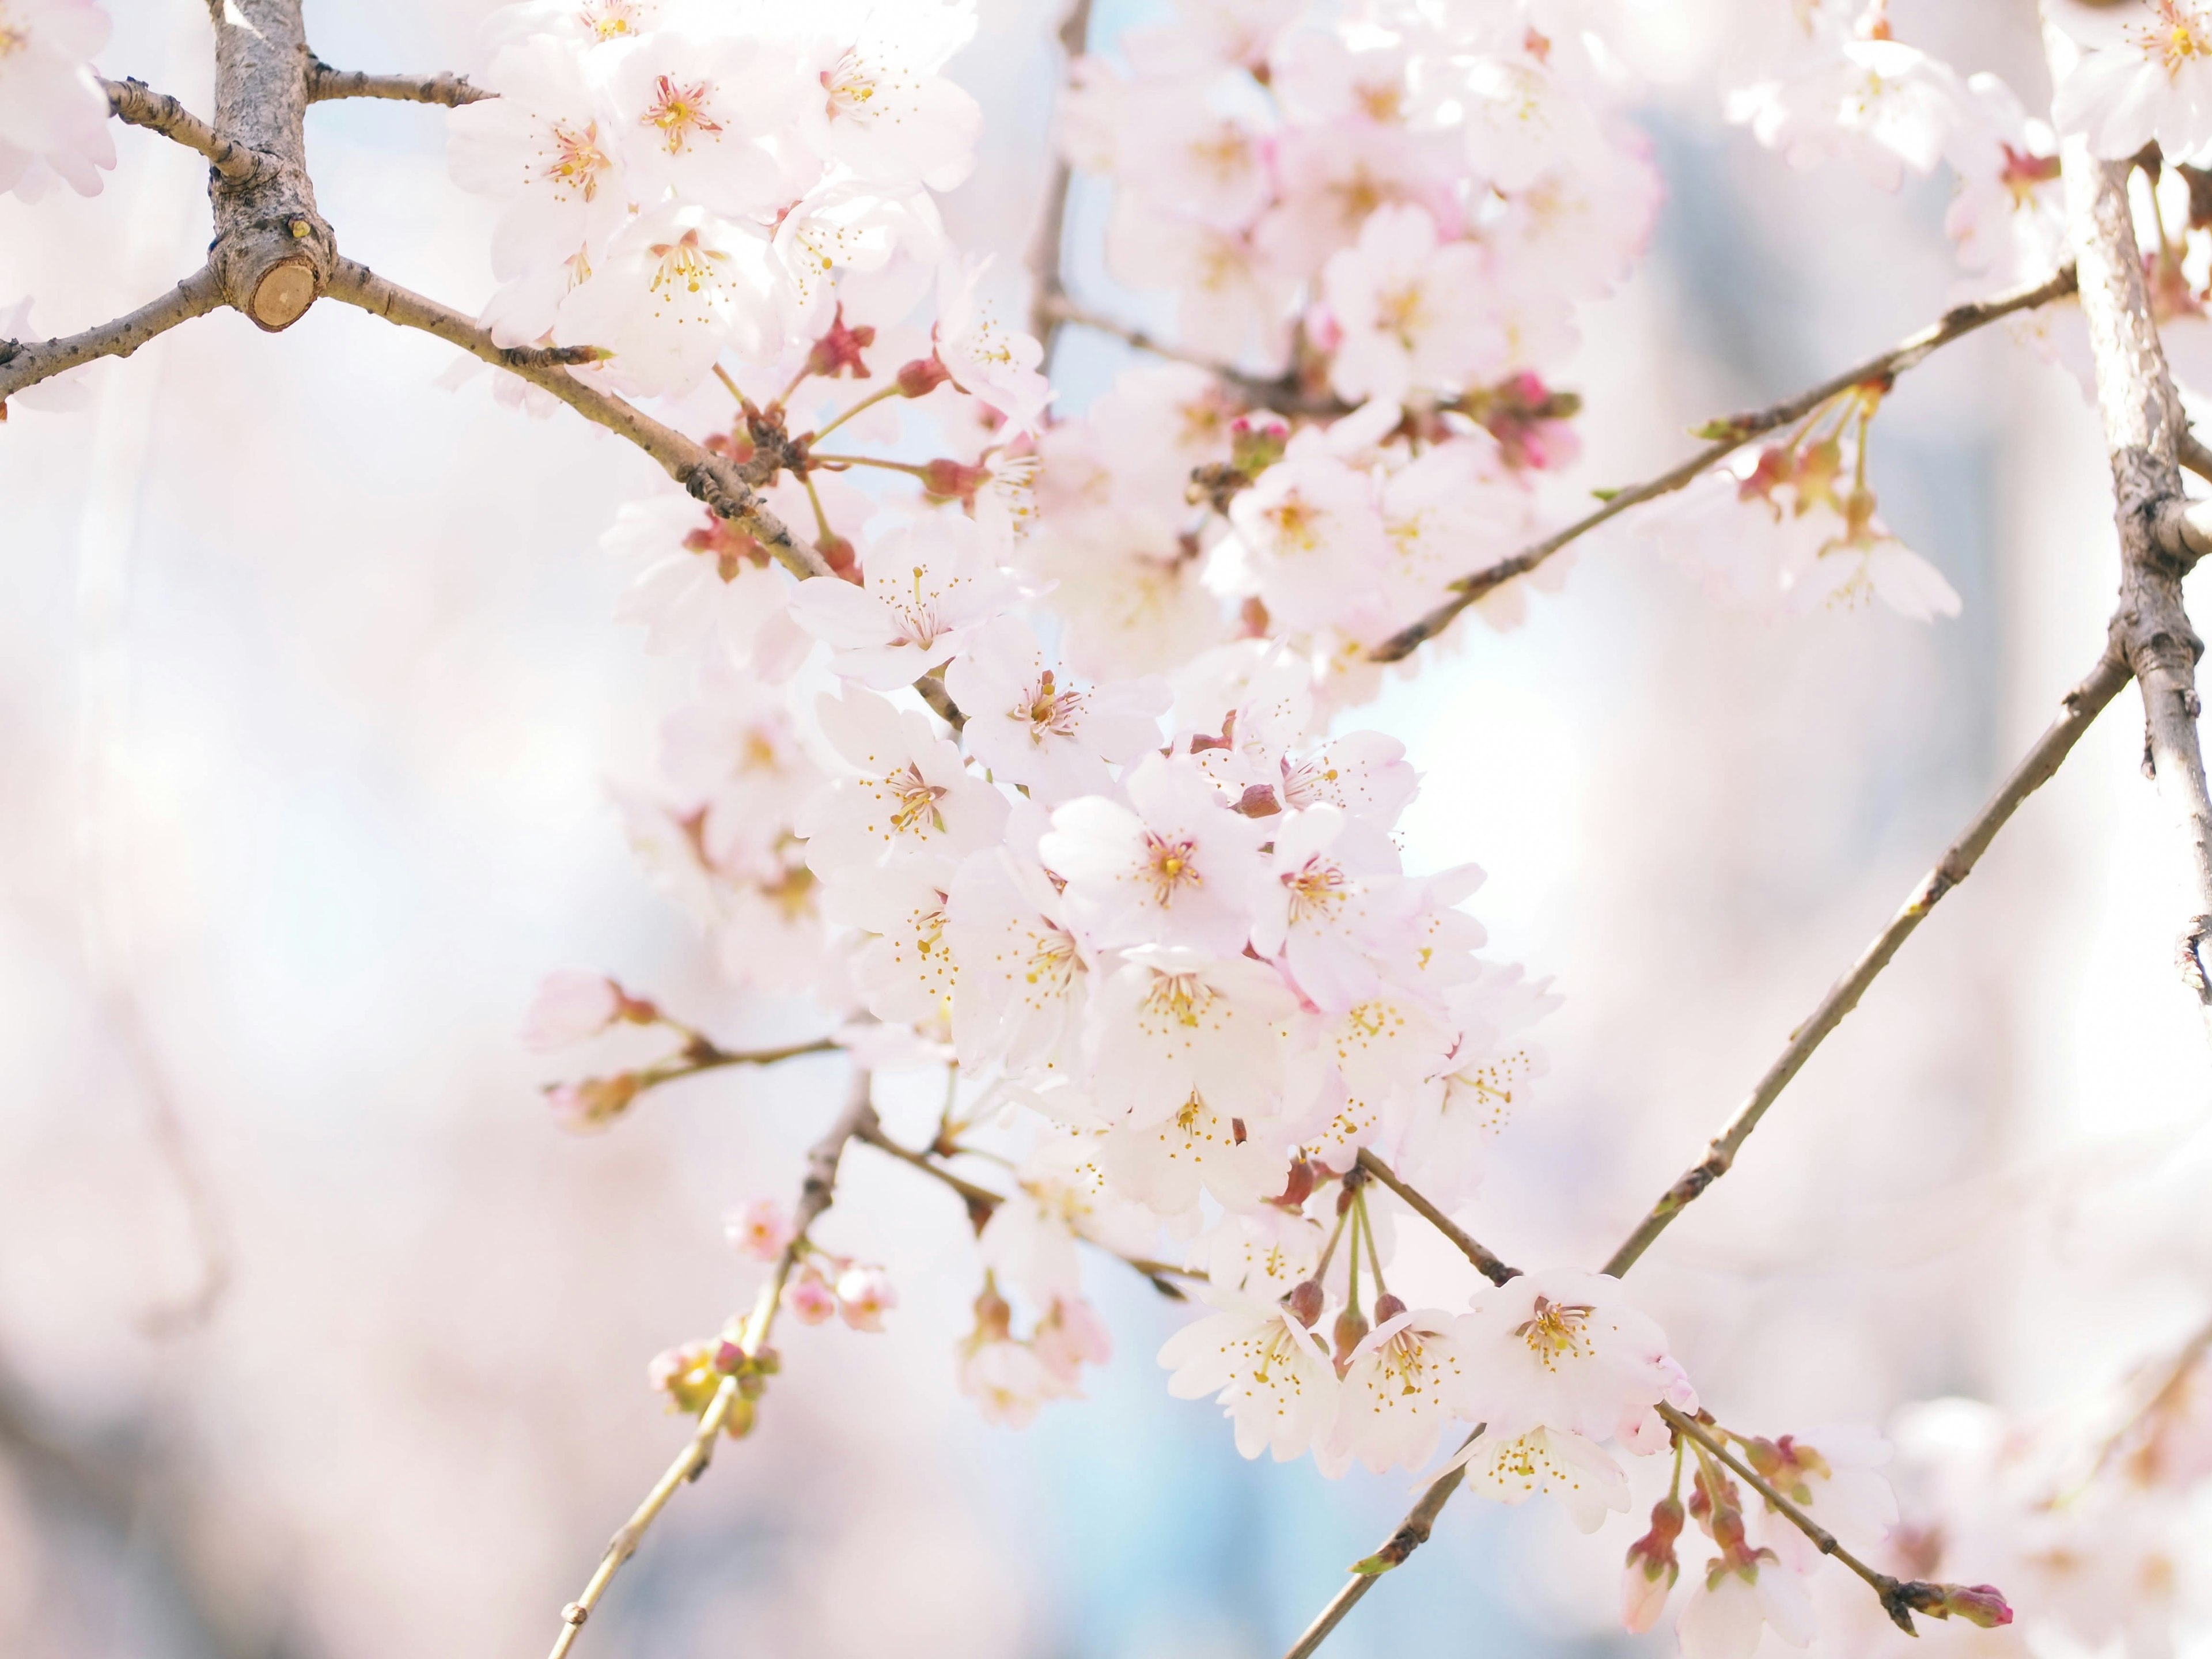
{"x": 1547, "y": 1462}
{"x": 550, "y": 149}
{"x": 693, "y": 112}
{"x": 1333, "y": 907}
{"x": 1402, "y": 1382}
{"x": 1031, "y": 728}
{"x": 1174, "y": 866}
{"x": 1730, "y": 1606}
{"x": 885, "y": 109}
{"x": 676, "y": 286}
{"x": 1407, "y": 311}
{"x": 1172, "y": 1030}
{"x": 1563, "y": 1350}
{"x": 1022, "y": 996}
{"x": 2143, "y": 75}
{"x": 932, "y": 582}
{"x": 1269, "y": 1373}
{"x": 912, "y": 795}
{"x": 53, "y": 112}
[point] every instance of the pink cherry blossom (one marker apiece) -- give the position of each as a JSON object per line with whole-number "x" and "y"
{"x": 1270, "y": 1374}
{"x": 571, "y": 1007}
{"x": 932, "y": 582}
{"x": 53, "y": 112}
{"x": 761, "y": 1231}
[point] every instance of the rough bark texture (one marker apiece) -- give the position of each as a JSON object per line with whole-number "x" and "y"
{"x": 272, "y": 251}
{"x": 2144, "y": 429}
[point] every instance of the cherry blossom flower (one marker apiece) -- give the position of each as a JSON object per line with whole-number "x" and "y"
{"x": 1270, "y": 1374}
{"x": 1546, "y": 1463}
{"x": 1563, "y": 1350}
{"x": 1261, "y": 1252}
{"x": 1888, "y": 105}
{"x": 762, "y": 1229}
{"x": 1409, "y": 312}
{"x": 1174, "y": 866}
{"x": 676, "y": 287}
{"x": 1026, "y": 726}
{"x": 864, "y": 1295}
{"x": 1333, "y": 907}
{"x": 2009, "y": 215}
{"x": 932, "y": 582}
{"x": 1009, "y": 1381}
{"x": 1455, "y": 1114}
{"x": 1070, "y": 1336}
{"x": 1733, "y": 1604}
{"x": 692, "y": 111}
{"x": 53, "y": 111}
{"x": 550, "y": 149}
{"x": 807, "y": 1296}
{"x": 886, "y": 111}
{"x": 1402, "y": 1381}
{"x": 986, "y": 359}
{"x": 1173, "y": 1029}
{"x": 907, "y": 970}
{"x": 2143, "y": 76}
{"x": 912, "y": 795}
{"x": 705, "y": 584}
{"x": 1312, "y": 528}
{"x": 571, "y": 1007}
{"x": 1833, "y": 1474}
{"x": 1020, "y": 996}
{"x": 1060, "y": 1196}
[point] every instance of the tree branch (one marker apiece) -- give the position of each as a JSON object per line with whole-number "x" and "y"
{"x": 1486, "y": 1264}
{"x": 1413, "y": 1532}
{"x": 1284, "y": 396}
{"x": 326, "y": 84}
{"x": 815, "y": 1195}
{"x": 1046, "y": 253}
{"x": 24, "y": 364}
{"x": 272, "y": 249}
{"x": 1728, "y": 435}
{"x": 719, "y": 482}
{"x": 135, "y": 103}
{"x": 2160, "y": 535}
{"x": 2079, "y": 708}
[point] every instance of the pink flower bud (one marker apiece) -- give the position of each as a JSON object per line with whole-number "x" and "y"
{"x": 686, "y": 1376}
{"x": 1387, "y": 1308}
{"x": 864, "y": 1295}
{"x": 807, "y": 1297}
{"x": 1306, "y": 1301}
{"x": 1978, "y": 1604}
{"x": 1644, "y": 1586}
{"x": 761, "y": 1230}
{"x": 570, "y": 1007}
{"x": 594, "y": 1103}
{"x": 1071, "y": 1337}
{"x": 922, "y": 376}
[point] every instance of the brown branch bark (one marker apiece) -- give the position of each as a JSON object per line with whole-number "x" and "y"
{"x": 816, "y": 1193}
{"x": 719, "y": 483}
{"x": 137, "y": 105}
{"x": 1284, "y": 396}
{"x": 25, "y": 363}
{"x": 2079, "y": 708}
{"x": 1046, "y": 253}
{"x": 2160, "y": 535}
{"x": 1731, "y": 434}
{"x": 326, "y": 84}
{"x": 272, "y": 249}
{"x": 1486, "y": 1264}
{"x": 1413, "y": 1532}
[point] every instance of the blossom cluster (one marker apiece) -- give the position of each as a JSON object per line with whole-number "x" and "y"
{"x": 53, "y": 112}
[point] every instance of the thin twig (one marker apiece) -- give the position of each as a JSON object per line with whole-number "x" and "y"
{"x": 1486, "y": 1264}
{"x": 815, "y": 1196}
{"x": 981, "y": 1201}
{"x": 135, "y": 103}
{"x": 1730, "y": 435}
{"x": 703, "y": 1056}
{"x": 24, "y": 364}
{"x": 931, "y": 687}
{"x": 1048, "y": 252}
{"x": 718, "y": 483}
{"x": 1413, "y": 1532}
{"x": 326, "y": 84}
{"x": 1284, "y": 396}
{"x": 2080, "y": 707}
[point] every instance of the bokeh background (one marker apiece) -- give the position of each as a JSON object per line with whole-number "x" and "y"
{"x": 318, "y": 1341}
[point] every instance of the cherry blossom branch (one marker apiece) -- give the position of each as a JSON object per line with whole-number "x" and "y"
{"x": 721, "y": 484}
{"x": 1900, "y": 1597}
{"x": 2162, "y": 536}
{"x": 136, "y": 103}
{"x": 1486, "y": 1264}
{"x": 2079, "y": 708}
{"x": 703, "y": 1055}
{"x": 981, "y": 1201}
{"x": 1727, "y": 435}
{"x": 24, "y": 364}
{"x": 1284, "y": 396}
{"x": 815, "y": 1195}
{"x": 326, "y": 84}
{"x": 1046, "y": 253}
{"x": 1413, "y": 1532}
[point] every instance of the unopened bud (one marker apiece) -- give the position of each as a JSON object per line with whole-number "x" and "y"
{"x": 1258, "y": 801}
{"x": 594, "y": 1103}
{"x": 1256, "y": 442}
{"x": 837, "y": 553}
{"x": 743, "y": 1415}
{"x": 1350, "y": 1330}
{"x": 1305, "y": 1302}
{"x": 1978, "y": 1604}
{"x": 922, "y": 376}
{"x": 951, "y": 481}
{"x": 728, "y": 1357}
{"x": 686, "y": 1376}
{"x": 1387, "y": 1308}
